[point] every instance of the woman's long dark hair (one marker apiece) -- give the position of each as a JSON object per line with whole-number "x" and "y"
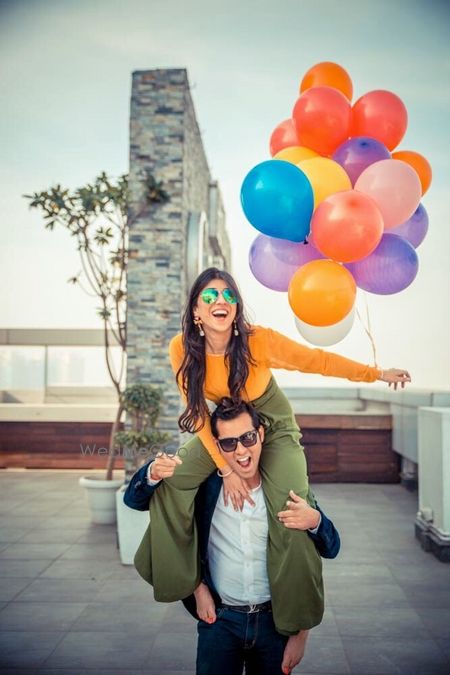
{"x": 192, "y": 371}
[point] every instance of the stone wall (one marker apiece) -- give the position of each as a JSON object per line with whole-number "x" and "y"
{"x": 169, "y": 243}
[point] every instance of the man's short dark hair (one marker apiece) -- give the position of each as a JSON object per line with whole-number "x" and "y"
{"x": 228, "y": 410}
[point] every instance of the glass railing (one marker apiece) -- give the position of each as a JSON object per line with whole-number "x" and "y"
{"x": 37, "y": 367}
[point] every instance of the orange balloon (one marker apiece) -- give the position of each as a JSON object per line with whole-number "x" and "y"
{"x": 328, "y": 74}
{"x": 419, "y": 164}
{"x": 322, "y": 292}
{"x": 283, "y": 136}
{"x": 322, "y": 116}
{"x": 347, "y": 226}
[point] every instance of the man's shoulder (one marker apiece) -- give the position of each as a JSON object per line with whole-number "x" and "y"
{"x": 210, "y": 486}
{"x": 206, "y": 498}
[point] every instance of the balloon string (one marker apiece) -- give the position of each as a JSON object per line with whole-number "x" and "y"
{"x": 368, "y": 330}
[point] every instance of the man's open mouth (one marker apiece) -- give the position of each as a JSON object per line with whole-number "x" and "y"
{"x": 244, "y": 462}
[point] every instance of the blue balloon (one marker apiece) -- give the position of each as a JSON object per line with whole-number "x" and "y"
{"x": 277, "y": 199}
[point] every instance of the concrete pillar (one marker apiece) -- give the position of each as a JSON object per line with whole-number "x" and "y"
{"x": 433, "y": 518}
{"x": 169, "y": 243}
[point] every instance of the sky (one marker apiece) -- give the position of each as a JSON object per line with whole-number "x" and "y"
{"x": 65, "y": 72}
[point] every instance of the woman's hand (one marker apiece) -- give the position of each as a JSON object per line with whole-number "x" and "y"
{"x": 235, "y": 489}
{"x": 395, "y": 376}
{"x": 206, "y": 609}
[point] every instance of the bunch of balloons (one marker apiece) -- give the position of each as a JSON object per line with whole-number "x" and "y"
{"x": 337, "y": 209}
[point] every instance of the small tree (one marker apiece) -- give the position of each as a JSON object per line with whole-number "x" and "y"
{"x": 142, "y": 404}
{"x": 98, "y": 217}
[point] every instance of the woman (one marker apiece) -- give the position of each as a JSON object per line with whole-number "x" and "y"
{"x": 220, "y": 354}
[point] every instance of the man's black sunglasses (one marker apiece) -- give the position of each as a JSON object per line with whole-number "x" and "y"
{"x": 230, "y": 444}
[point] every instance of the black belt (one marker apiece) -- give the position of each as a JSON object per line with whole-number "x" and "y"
{"x": 249, "y": 609}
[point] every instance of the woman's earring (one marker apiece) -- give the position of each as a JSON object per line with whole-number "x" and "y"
{"x": 236, "y": 332}
{"x": 198, "y": 323}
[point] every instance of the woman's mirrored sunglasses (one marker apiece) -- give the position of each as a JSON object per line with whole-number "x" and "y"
{"x": 230, "y": 444}
{"x": 210, "y": 295}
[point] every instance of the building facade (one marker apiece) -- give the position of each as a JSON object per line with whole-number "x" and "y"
{"x": 171, "y": 242}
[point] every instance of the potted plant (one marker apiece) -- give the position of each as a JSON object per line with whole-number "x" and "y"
{"x": 137, "y": 444}
{"x": 98, "y": 216}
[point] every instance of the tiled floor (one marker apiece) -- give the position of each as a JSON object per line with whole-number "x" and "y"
{"x": 67, "y": 605}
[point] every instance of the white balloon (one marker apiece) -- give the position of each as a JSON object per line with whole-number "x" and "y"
{"x": 324, "y": 336}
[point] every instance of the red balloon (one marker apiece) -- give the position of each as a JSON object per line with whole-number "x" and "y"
{"x": 283, "y": 136}
{"x": 381, "y": 115}
{"x": 347, "y": 226}
{"x": 322, "y": 116}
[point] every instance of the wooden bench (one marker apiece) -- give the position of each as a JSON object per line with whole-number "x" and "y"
{"x": 349, "y": 448}
{"x": 54, "y": 445}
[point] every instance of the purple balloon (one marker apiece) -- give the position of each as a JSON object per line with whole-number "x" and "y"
{"x": 391, "y": 268}
{"x": 273, "y": 262}
{"x": 358, "y": 153}
{"x": 414, "y": 229}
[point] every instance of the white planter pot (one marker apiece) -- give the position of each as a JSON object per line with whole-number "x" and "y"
{"x": 131, "y": 526}
{"x": 101, "y": 496}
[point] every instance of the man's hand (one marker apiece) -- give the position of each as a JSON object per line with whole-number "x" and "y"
{"x": 164, "y": 466}
{"x": 235, "y": 489}
{"x": 294, "y": 651}
{"x": 299, "y": 515}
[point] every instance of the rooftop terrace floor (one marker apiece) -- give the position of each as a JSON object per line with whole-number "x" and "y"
{"x": 68, "y": 606}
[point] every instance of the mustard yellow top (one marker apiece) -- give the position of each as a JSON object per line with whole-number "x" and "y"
{"x": 269, "y": 349}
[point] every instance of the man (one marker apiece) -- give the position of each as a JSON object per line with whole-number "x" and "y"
{"x": 232, "y": 603}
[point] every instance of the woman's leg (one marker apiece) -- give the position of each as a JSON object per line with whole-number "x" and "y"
{"x": 167, "y": 557}
{"x": 294, "y": 565}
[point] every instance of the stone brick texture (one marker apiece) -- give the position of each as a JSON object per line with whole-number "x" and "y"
{"x": 166, "y": 141}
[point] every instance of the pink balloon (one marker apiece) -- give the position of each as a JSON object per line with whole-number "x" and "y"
{"x": 394, "y": 186}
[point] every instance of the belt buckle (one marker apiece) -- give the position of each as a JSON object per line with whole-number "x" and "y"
{"x": 253, "y": 609}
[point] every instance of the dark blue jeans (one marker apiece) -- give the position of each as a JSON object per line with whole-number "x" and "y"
{"x": 236, "y": 640}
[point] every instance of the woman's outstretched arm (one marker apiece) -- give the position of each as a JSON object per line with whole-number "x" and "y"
{"x": 282, "y": 352}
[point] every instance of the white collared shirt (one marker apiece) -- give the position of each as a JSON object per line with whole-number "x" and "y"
{"x": 237, "y": 551}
